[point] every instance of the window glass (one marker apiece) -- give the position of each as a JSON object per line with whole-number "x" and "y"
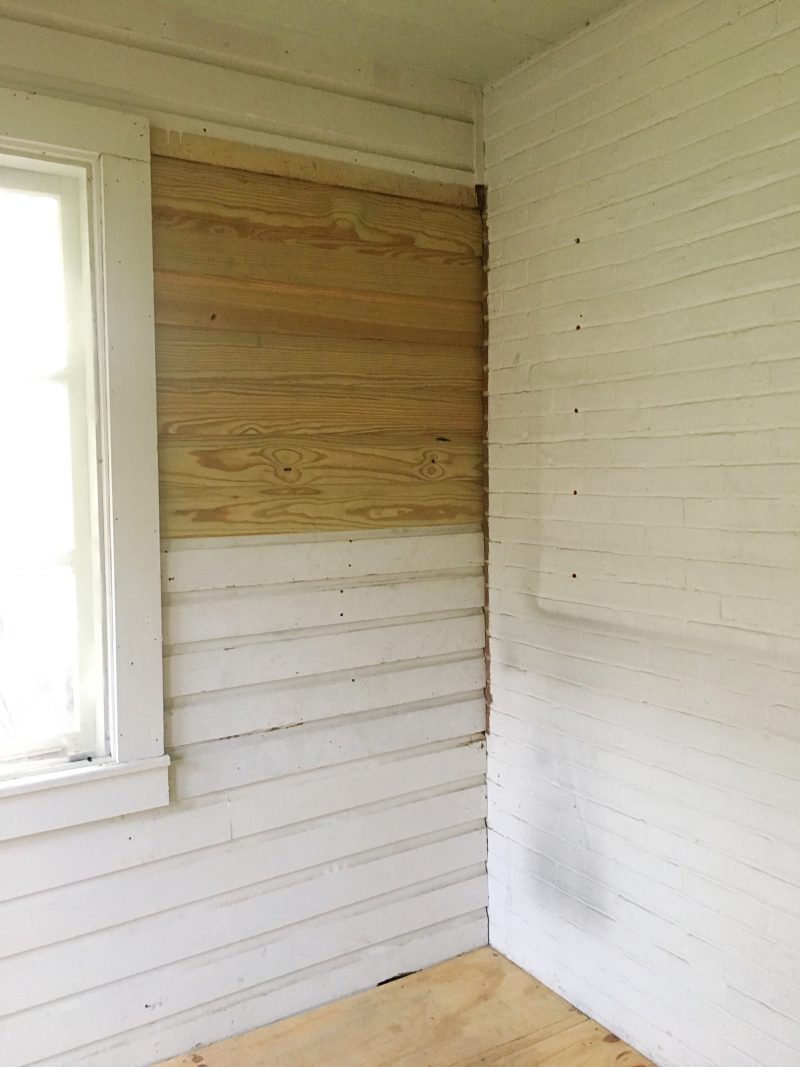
{"x": 51, "y": 619}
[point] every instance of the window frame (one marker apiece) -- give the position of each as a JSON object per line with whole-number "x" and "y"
{"x": 134, "y": 777}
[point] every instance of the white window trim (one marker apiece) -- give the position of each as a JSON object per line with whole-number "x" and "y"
{"x": 135, "y": 776}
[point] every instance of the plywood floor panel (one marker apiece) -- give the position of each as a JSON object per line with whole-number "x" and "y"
{"x": 478, "y": 1010}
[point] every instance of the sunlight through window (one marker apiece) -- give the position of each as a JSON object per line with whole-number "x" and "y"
{"x": 50, "y": 620}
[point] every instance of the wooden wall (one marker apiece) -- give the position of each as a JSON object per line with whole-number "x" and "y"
{"x": 319, "y": 355}
{"x": 326, "y": 826}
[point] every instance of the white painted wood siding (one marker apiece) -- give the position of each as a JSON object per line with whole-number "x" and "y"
{"x": 189, "y": 73}
{"x": 644, "y": 757}
{"x": 326, "y": 830}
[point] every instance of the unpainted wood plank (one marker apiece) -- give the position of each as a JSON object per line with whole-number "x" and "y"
{"x": 325, "y": 217}
{"x": 478, "y": 1009}
{"x": 237, "y": 408}
{"x": 306, "y": 465}
{"x": 257, "y": 159}
{"x": 187, "y": 355}
{"x": 204, "y": 245}
{"x": 217, "y": 488}
{"x": 222, "y": 303}
{"x": 212, "y": 220}
{"x": 228, "y": 512}
{"x": 210, "y": 385}
{"x": 319, "y": 356}
{"x": 585, "y": 1044}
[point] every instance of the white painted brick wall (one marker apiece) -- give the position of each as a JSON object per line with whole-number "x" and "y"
{"x": 644, "y": 766}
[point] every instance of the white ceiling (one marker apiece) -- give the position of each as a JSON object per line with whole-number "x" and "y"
{"x": 469, "y": 40}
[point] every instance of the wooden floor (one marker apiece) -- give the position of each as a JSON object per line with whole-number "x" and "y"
{"x": 476, "y": 1010}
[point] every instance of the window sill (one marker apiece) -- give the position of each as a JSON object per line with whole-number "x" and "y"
{"x": 75, "y": 795}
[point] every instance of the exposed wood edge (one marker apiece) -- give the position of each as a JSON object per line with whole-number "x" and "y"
{"x": 180, "y": 544}
{"x": 481, "y": 193}
{"x": 259, "y": 160}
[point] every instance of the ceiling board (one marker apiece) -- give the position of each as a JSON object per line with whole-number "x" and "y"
{"x": 469, "y": 40}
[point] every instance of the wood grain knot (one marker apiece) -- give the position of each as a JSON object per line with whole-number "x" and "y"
{"x": 431, "y": 468}
{"x": 286, "y": 464}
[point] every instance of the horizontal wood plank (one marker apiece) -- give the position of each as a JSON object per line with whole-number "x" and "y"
{"x": 475, "y": 1011}
{"x": 361, "y": 968}
{"x": 400, "y": 807}
{"x": 184, "y": 354}
{"x": 307, "y": 466}
{"x": 209, "y": 616}
{"x": 109, "y": 955}
{"x": 250, "y": 663}
{"x": 110, "y": 1008}
{"x": 259, "y": 806}
{"x": 204, "y": 246}
{"x": 319, "y": 356}
{"x": 232, "y": 408}
{"x": 223, "y": 303}
{"x": 228, "y": 764}
{"x": 203, "y": 717}
{"x": 225, "y": 487}
{"x": 194, "y": 565}
{"x": 325, "y": 215}
{"x": 177, "y": 144}
{"x": 212, "y": 220}
{"x": 228, "y": 511}
{"x": 326, "y": 769}
{"x": 45, "y": 863}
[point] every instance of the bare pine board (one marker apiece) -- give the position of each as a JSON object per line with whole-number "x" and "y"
{"x": 319, "y": 355}
{"x": 477, "y": 1009}
{"x": 214, "y": 220}
{"x": 351, "y": 361}
{"x": 210, "y": 486}
{"x": 178, "y": 144}
{"x": 241, "y": 406}
{"x": 225, "y": 303}
{"x": 229, "y": 511}
{"x": 238, "y": 383}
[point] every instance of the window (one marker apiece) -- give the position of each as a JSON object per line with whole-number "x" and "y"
{"x": 52, "y": 704}
{"x": 81, "y": 707}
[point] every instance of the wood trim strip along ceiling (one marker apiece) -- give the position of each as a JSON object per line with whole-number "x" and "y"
{"x": 195, "y": 148}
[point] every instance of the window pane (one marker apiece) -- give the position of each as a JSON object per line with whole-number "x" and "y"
{"x": 38, "y": 661}
{"x": 35, "y": 424}
{"x": 51, "y": 674}
{"x": 31, "y": 284}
